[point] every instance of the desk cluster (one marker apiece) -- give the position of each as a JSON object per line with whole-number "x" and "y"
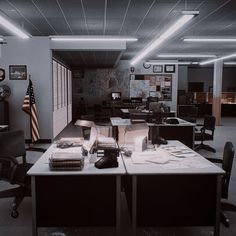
{"x": 163, "y": 186}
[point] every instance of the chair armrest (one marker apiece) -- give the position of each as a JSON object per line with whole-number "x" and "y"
{"x": 15, "y": 164}
{"x": 215, "y": 160}
{"x": 9, "y": 158}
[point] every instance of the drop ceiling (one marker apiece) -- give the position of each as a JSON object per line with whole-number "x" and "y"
{"x": 143, "y": 19}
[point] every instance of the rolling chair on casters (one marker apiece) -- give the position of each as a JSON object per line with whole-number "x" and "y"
{"x": 206, "y": 133}
{"x": 12, "y": 145}
{"x": 227, "y": 163}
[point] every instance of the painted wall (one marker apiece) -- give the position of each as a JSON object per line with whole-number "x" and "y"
{"x": 229, "y": 78}
{"x": 36, "y": 54}
{"x": 183, "y": 77}
{"x": 205, "y": 75}
{"x": 201, "y": 74}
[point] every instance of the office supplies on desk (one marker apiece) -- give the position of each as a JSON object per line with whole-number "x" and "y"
{"x": 108, "y": 158}
{"x": 140, "y": 143}
{"x": 171, "y": 121}
{"x": 161, "y": 140}
{"x": 66, "y": 161}
{"x": 70, "y": 142}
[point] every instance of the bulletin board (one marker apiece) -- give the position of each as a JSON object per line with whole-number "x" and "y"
{"x": 152, "y": 86}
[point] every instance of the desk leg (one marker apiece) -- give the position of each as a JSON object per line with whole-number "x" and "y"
{"x": 218, "y": 198}
{"x": 118, "y": 204}
{"x": 33, "y": 194}
{"x": 134, "y": 203}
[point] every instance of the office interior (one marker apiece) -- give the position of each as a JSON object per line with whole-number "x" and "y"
{"x": 87, "y": 62}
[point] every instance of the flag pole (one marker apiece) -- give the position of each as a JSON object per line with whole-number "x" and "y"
{"x": 31, "y": 143}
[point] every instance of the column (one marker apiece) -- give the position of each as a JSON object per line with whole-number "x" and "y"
{"x": 217, "y": 91}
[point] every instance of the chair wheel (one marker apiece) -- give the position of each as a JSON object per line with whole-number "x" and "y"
{"x": 14, "y": 214}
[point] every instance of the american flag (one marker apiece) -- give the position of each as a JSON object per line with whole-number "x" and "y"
{"x": 29, "y": 107}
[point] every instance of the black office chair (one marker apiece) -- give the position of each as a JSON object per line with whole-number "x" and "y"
{"x": 227, "y": 163}
{"x": 12, "y": 146}
{"x": 206, "y": 133}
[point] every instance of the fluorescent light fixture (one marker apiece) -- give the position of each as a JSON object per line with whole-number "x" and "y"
{"x": 185, "y": 55}
{"x": 209, "y": 40}
{"x": 1, "y": 39}
{"x": 158, "y": 41}
{"x": 218, "y": 59}
{"x": 12, "y": 28}
{"x": 230, "y": 63}
{"x": 96, "y": 38}
{"x": 171, "y": 62}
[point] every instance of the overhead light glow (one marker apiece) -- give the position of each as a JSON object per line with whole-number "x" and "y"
{"x": 230, "y": 63}
{"x": 93, "y": 38}
{"x": 218, "y": 59}
{"x": 185, "y": 55}
{"x": 209, "y": 40}
{"x": 158, "y": 41}
{"x": 171, "y": 62}
{"x": 12, "y": 28}
{"x": 1, "y": 39}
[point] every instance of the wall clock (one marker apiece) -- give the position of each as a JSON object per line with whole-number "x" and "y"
{"x": 146, "y": 65}
{"x": 2, "y": 74}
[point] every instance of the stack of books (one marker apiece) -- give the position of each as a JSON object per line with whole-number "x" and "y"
{"x": 66, "y": 161}
{"x": 106, "y": 142}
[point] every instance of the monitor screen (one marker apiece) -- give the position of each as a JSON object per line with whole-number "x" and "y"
{"x": 116, "y": 96}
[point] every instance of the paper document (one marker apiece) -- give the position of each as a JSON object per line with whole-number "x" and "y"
{"x": 170, "y": 157}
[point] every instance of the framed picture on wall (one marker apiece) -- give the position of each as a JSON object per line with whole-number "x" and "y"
{"x": 157, "y": 68}
{"x": 17, "y": 72}
{"x": 169, "y": 68}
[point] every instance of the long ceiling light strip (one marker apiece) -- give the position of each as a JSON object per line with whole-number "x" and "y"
{"x": 12, "y": 28}
{"x": 218, "y": 59}
{"x": 93, "y": 38}
{"x": 185, "y": 55}
{"x": 230, "y": 63}
{"x": 157, "y": 42}
{"x": 209, "y": 40}
{"x": 171, "y": 62}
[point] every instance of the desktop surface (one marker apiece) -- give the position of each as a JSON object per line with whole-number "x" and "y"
{"x": 206, "y": 167}
{"x": 41, "y": 167}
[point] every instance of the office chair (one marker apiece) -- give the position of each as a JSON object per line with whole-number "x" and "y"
{"x": 12, "y": 146}
{"x": 206, "y": 133}
{"x": 227, "y": 163}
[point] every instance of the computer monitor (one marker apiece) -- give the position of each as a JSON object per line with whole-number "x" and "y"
{"x": 116, "y": 96}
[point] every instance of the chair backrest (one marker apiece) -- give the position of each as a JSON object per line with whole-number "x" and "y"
{"x": 227, "y": 167}
{"x": 209, "y": 123}
{"x": 12, "y": 143}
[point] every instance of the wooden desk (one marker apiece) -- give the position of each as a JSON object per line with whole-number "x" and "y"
{"x": 75, "y": 198}
{"x": 159, "y": 195}
{"x": 143, "y": 113}
{"x": 184, "y": 132}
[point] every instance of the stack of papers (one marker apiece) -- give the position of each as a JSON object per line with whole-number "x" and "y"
{"x": 179, "y": 151}
{"x": 70, "y": 142}
{"x": 170, "y": 157}
{"x": 106, "y": 142}
{"x": 66, "y": 161}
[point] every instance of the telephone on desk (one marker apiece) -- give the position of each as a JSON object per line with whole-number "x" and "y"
{"x": 108, "y": 158}
{"x": 172, "y": 121}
